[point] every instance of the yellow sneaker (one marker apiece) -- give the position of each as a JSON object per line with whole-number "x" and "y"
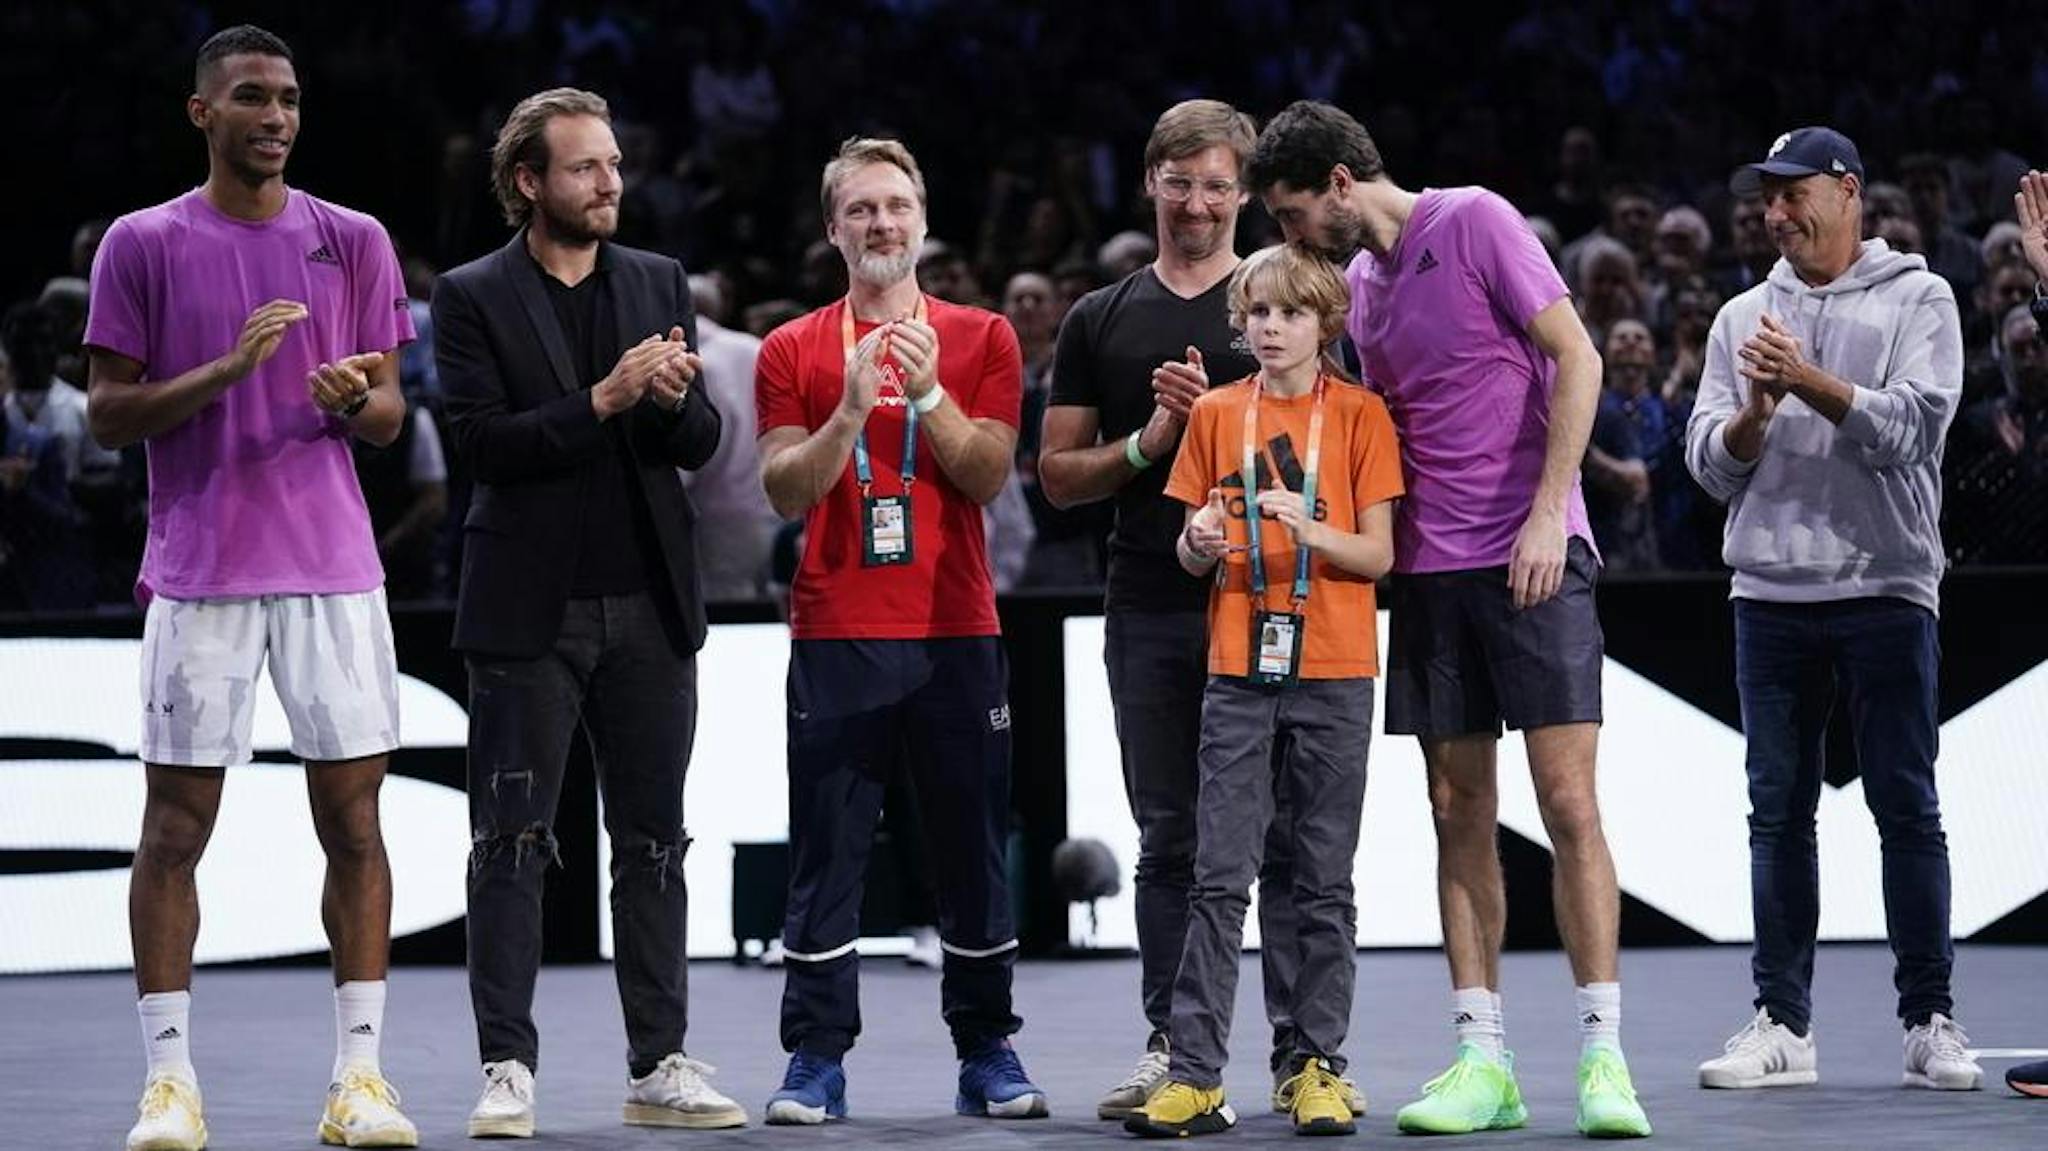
{"x": 1321, "y": 1105}
{"x": 168, "y": 1117}
{"x": 362, "y": 1111}
{"x": 1285, "y": 1081}
{"x": 1178, "y": 1110}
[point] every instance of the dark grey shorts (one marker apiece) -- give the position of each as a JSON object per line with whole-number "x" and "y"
{"x": 1462, "y": 661}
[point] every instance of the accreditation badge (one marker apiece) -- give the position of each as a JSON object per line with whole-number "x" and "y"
{"x": 885, "y": 531}
{"x": 1276, "y": 647}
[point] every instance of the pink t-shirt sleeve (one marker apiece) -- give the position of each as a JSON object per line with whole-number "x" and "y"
{"x": 118, "y": 316}
{"x": 1516, "y": 270}
{"x": 383, "y": 319}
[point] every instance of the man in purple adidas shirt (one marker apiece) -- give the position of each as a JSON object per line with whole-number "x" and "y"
{"x": 1464, "y": 326}
{"x": 244, "y": 331}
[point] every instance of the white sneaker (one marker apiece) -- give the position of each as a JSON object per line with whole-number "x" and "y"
{"x": 924, "y": 948}
{"x": 169, "y": 1117}
{"x": 1938, "y": 1057}
{"x": 362, "y": 1111}
{"x": 1128, "y": 1098}
{"x": 1764, "y": 1053}
{"x": 772, "y": 954}
{"x": 506, "y": 1109}
{"x": 675, "y": 1094}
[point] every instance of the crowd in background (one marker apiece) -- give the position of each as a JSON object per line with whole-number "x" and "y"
{"x": 1614, "y": 126}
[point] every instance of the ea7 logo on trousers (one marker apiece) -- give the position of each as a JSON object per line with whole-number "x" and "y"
{"x": 999, "y": 718}
{"x": 259, "y": 884}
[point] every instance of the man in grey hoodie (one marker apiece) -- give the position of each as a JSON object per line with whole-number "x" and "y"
{"x": 1822, "y": 409}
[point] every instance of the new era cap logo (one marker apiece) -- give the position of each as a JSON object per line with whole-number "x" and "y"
{"x": 1778, "y": 145}
{"x": 1427, "y": 262}
{"x": 323, "y": 255}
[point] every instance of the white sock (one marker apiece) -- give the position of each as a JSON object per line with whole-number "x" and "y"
{"x": 1475, "y": 1013}
{"x": 358, "y": 1024}
{"x": 1599, "y": 1016}
{"x": 167, "y": 1033}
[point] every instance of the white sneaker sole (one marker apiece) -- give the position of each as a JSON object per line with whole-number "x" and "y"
{"x": 1027, "y": 1106}
{"x": 334, "y": 1136}
{"x": 1729, "y": 1081}
{"x": 501, "y": 1127}
{"x": 790, "y": 1113}
{"x": 1929, "y": 1083}
{"x": 170, "y": 1142}
{"x": 651, "y": 1115}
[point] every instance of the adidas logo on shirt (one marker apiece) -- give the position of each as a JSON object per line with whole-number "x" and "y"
{"x": 1427, "y": 262}
{"x": 168, "y": 1034}
{"x": 323, "y": 255}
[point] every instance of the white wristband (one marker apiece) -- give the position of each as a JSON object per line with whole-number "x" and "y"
{"x": 924, "y": 404}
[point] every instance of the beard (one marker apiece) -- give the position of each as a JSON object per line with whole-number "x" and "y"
{"x": 878, "y": 270}
{"x": 1198, "y": 240}
{"x": 584, "y": 227}
{"x": 1343, "y": 234}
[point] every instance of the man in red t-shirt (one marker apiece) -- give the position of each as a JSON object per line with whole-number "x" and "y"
{"x": 887, "y": 421}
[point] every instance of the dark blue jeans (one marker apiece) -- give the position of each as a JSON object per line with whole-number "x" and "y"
{"x": 1881, "y": 657}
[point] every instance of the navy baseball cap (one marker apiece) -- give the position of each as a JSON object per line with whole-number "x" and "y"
{"x": 1800, "y": 152}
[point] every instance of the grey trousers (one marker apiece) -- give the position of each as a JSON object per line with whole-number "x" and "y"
{"x": 1326, "y": 725}
{"x": 1158, "y": 667}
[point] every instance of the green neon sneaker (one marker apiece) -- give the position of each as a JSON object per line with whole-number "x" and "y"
{"x": 1476, "y": 1094}
{"x": 1607, "y": 1100}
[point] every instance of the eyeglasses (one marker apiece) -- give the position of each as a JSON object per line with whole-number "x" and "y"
{"x": 1179, "y": 189}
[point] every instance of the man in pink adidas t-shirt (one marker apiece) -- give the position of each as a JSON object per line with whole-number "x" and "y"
{"x": 244, "y": 331}
{"x": 1464, "y": 326}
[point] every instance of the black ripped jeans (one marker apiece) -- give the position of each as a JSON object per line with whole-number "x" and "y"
{"x": 614, "y": 671}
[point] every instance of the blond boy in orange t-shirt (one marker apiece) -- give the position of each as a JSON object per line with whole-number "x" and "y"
{"x": 1292, "y": 650}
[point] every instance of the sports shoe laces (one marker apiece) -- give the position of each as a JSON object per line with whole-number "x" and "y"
{"x": 1450, "y": 1080}
{"x": 805, "y": 1070}
{"x": 504, "y": 1087}
{"x": 1605, "y": 1074}
{"x": 1945, "y": 1040}
{"x": 1750, "y": 1038}
{"x": 162, "y": 1094}
{"x": 996, "y": 1065}
{"x": 682, "y": 1076}
{"x": 370, "y": 1084}
{"x": 1150, "y": 1067}
{"x": 1315, "y": 1083}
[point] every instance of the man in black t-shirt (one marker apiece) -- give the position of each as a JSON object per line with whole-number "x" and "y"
{"x": 1131, "y": 359}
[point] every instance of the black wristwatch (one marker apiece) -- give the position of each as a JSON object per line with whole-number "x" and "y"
{"x": 354, "y": 407}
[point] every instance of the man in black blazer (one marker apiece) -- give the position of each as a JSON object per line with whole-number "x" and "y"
{"x": 568, "y": 366}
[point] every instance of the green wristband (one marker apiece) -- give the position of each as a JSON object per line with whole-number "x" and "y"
{"x": 1132, "y": 454}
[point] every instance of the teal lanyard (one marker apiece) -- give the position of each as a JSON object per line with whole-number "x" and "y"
{"x": 1249, "y": 473}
